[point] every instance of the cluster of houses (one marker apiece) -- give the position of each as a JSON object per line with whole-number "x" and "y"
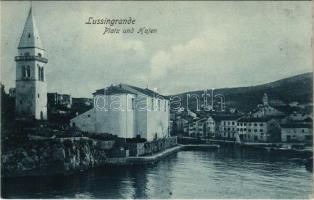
{"x": 267, "y": 123}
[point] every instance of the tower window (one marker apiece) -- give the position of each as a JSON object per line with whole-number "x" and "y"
{"x": 39, "y": 54}
{"x": 28, "y": 71}
{"x": 21, "y": 102}
{"x": 23, "y": 71}
{"x": 40, "y": 73}
{"x": 29, "y": 35}
{"x": 26, "y": 54}
{"x": 38, "y": 69}
{"x": 38, "y": 95}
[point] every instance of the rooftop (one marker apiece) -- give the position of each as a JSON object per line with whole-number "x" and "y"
{"x": 30, "y": 36}
{"x": 255, "y": 119}
{"x": 296, "y": 125}
{"x": 128, "y": 89}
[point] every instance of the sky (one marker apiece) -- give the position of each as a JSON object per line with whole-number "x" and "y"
{"x": 198, "y": 45}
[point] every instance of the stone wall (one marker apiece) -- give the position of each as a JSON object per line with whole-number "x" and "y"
{"x": 149, "y": 148}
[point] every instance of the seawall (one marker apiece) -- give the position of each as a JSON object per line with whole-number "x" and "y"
{"x": 42, "y": 156}
{"x": 69, "y": 155}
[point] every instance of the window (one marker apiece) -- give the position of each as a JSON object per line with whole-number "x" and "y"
{"x": 159, "y": 107}
{"x": 152, "y": 106}
{"x": 38, "y": 69}
{"x": 261, "y": 130}
{"x": 28, "y": 71}
{"x": 38, "y": 95}
{"x": 88, "y": 115}
{"x": 261, "y": 124}
{"x": 133, "y": 104}
{"x": 21, "y": 101}
{"x": 165, "y": 106}
{"x": 29, "y": 35}
{"x": 40, "y": 73}
{"x": 26, "y": 54}
{"x": 39, "y": 54}
{"x": 23, "y": 71}
{"x": 255, "y": 124}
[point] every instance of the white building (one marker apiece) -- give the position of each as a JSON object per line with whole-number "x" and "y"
{"x": 210, "y": 127}
{"x": 128, "y": 112}
{"x": 31, "y": 87}
{"x": 227, "y": 126}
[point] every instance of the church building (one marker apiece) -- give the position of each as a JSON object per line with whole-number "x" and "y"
{"x": 127, "y": 112}
{"x": 31, "y": 86}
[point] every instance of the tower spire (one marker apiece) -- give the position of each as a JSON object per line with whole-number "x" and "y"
{"x": 30, "y": 36}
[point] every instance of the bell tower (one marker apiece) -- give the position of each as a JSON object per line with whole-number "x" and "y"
{"x": 31, "y": 86}
{"x": 265, "y": 100}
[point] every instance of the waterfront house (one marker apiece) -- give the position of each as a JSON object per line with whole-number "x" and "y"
{"x": 128, "y": 112}
{"x": 254, "y": 129}
{"x": 227, "y": 126}
{"x": 297, "y": 131}
{"x": 197, "y": 128}
{"x": 210, "y": 127}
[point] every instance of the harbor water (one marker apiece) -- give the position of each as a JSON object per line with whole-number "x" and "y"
{"x": 230, "y": 172}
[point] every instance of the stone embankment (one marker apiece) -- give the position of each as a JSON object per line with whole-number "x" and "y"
{"x": 42, "y": 156}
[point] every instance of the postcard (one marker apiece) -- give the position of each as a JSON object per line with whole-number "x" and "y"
{"x": 156, "y": 99}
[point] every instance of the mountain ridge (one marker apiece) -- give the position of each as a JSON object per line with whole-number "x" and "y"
{"x": 295, "y": 88}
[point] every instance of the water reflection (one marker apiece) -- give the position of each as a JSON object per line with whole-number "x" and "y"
{"x": 230, "y": 172}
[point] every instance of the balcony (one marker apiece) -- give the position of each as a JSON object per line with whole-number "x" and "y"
{"x": 26, "y": 58}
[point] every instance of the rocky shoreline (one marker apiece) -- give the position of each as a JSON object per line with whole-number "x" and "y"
{"x": 68, "y": 155}
{"x": 54, "y": 156}
{"x": 65, "y": 156}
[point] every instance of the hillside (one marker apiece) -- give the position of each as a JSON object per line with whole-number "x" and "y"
{"x": 297, "y": 88}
